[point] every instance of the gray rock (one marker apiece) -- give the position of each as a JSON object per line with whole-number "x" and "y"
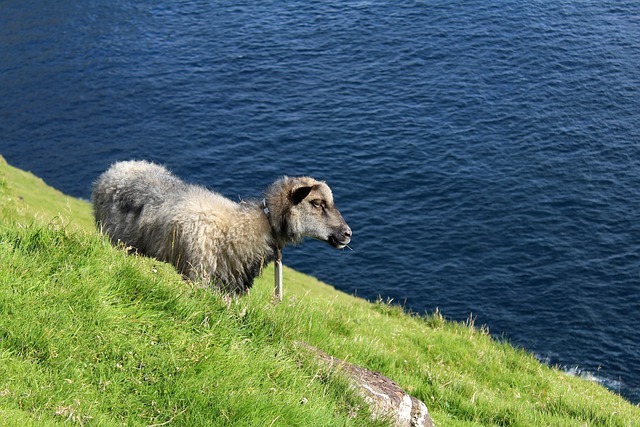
{"x": 384, "y": 397}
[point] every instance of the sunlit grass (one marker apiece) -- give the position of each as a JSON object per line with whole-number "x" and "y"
{"x": 91, "y": 335}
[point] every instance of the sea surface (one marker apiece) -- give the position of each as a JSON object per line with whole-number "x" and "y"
{"x": 486, "y": 154}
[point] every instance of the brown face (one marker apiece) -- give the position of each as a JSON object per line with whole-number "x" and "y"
{"x": 317, "y": 216}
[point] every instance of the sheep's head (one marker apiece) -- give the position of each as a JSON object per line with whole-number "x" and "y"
{"x": 304, "y": 207}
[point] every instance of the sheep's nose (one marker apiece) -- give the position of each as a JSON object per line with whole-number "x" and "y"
{"x": 347, "y": 232}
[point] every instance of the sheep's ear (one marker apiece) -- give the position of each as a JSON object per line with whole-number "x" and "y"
{"x": 299, "y": 194}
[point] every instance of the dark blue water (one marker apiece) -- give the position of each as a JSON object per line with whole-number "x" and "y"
{"x": 486, "y": 154}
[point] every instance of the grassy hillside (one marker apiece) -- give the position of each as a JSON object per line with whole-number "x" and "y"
{"x": 25, "y": 198}
{"x": 91, "y": 335}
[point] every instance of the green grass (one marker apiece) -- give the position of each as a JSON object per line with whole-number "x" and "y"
{"x": 25, "y": 197}
{"x": 91, "y": 335}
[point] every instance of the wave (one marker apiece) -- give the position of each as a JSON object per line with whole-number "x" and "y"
{"x": 615, "y": 385}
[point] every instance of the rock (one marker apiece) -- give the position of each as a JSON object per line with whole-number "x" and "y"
{"x": 385, "y": 397}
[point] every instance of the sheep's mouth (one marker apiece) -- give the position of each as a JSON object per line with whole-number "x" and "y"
{"x": 338, "y": 243}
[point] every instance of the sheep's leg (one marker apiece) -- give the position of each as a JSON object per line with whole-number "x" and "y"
{"x": 278, "y": 275}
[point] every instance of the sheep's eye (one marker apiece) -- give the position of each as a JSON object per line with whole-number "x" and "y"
{"x": 317, "y": 203}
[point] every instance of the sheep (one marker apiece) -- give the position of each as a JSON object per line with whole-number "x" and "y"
{"x": 205, "y": 235}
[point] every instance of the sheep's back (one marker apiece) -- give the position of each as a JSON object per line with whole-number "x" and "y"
{"x": 127, "y": 198}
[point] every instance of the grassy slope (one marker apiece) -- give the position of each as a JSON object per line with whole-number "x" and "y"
{"x": 92, "y": 336}
{"x": 27, "y": 197}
